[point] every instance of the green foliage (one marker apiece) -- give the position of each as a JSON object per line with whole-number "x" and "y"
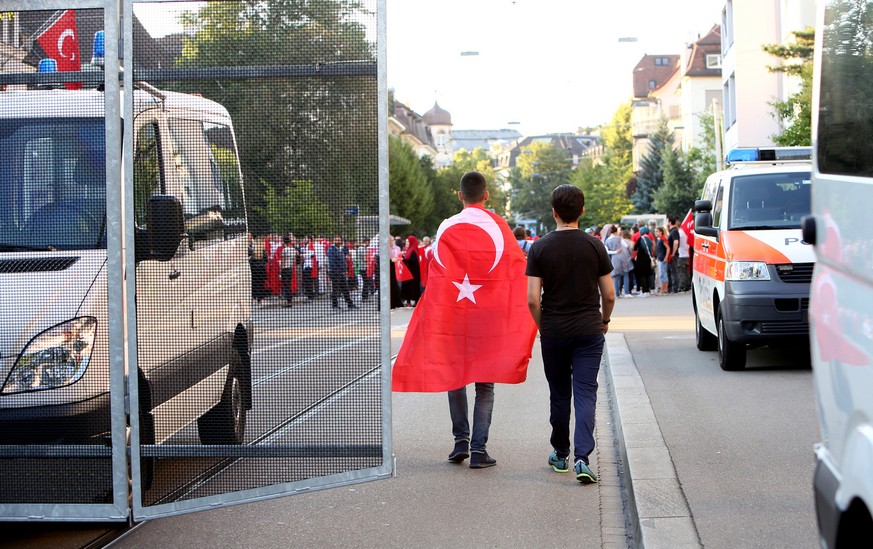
{"x": 795, "y": 113}
{"x": 465, "y": 161}
{"x": 680, "y": 186}
{"x": 651, "y": 176}
{"x": 541, "y": 167}
{"x": 411, "y": 195}
{"x": 320, "y": 129}
{"x": 605, "y": 198}
{"x": 619, "y": 142}
{"x": 294, "y": 209}
{"x": 444, "y": 185}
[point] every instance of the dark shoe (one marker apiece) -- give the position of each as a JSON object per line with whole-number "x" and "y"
{"x": 335, "y": 307}
{"x": 584, "y": 474}
{"x": 352, "y": 306}
{"x": 559, "y": 464}
{"x": 461, "y": 452}
{"x": 480, "y": 460}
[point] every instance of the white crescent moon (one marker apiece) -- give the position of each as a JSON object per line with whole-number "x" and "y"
{"x": 479, "y": 218}
{"x": 64, "y": 35}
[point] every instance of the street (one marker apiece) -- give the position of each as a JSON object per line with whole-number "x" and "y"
{"x": 740, "y": 443}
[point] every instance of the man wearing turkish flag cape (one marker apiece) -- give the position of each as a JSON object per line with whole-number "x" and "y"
{"x": 472, "y": 324}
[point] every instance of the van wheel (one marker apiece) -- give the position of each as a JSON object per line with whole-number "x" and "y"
{"x": 225, "y": 423}
{"x": 146, "y": 430}
{"x": 731, "y": 355}
{"x": 705, "y": 340}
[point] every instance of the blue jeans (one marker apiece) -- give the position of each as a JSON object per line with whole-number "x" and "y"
{"x": 571, "y": 365}
{"x": 481, "y": 415}
{"x": 619, "y": 280}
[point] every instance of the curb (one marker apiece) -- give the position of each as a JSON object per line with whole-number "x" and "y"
{"x": 660, "y": 516}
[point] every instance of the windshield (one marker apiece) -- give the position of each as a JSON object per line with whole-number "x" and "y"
{"x": 52, "y": 184}
{"x": 769, "y": 201}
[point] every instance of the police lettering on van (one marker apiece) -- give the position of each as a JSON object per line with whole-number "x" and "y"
{"x": 752, "y": 269}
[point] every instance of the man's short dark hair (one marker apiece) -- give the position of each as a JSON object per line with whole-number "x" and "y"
{"x": 473, "y": 186}
{"x": 671, "y": 219}
{"x": 568, "y": 202}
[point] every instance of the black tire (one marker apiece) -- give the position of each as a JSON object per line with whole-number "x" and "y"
{"x": 731, "y": 355}
{"x": 146, "y": 430}
{"x": 705, "y": 340}
{"x": 225, "y": 423}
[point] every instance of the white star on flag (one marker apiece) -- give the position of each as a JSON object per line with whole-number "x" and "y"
{"x": 466, "y": 289}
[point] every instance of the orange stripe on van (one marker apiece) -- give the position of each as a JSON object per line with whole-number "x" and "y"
{"x": 740, "y": 246}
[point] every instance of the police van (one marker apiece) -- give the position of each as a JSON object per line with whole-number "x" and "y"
{"x": 751, "y": 268}
{"x": 841, "y": 302}
{"x": 194, "y": 330}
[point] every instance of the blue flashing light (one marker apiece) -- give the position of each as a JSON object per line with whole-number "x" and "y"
{"x": 99, "y": 48}
{"x": 47, "y": 65}
{"x": 768, "y": 154}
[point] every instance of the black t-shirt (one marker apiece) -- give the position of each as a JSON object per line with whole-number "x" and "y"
{"x": 570, "y": 264}
{"x": 673, "y": 237}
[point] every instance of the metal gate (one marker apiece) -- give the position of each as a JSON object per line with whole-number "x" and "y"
{"x": 213, "y": 330}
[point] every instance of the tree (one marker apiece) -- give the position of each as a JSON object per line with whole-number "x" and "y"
{"x": 411, "y": 197}
{"x": 605, "y": 198}
{"x": 294, "y": 209}
{"x": 651, "y": 176}
{"x": 679, "y": 189}
{"x": 317, "y": 129}
{"x": 541, "y": 168}
{"x": 795, "y": 113}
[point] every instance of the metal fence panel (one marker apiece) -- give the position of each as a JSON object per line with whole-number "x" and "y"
{"x": 62, "y": 419}
{"x": 261, "y": 324}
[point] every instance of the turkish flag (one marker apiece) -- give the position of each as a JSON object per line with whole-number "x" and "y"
{"x": 472, "y": 323}
{"x": 60, "y": 41}
{"x": 688, "y": 228}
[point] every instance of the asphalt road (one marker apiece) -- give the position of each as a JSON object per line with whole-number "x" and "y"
{"x": 741, "y": 442}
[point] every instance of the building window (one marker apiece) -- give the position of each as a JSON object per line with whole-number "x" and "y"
{"x": 652, "y": 84}
{"x": 713, "y": 61}
{"x": 727, "y": 26}
{"x": 730, "y": 102}
{"x": 662, "y": 61}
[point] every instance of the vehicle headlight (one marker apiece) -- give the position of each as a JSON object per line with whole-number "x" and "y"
{"x": 746, "y": 270}
{"x": 58, "y": 356}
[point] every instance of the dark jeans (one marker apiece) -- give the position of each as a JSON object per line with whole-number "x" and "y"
{"x": 673, "y": 276}
{"x": 481, "y": 415}
{"x": 308, "y": 282}
{"x": 682, "y": 284}
{"x": 571, "y": 365}
{"x": 339, "y": 288}
{"x": 367, "y": 287}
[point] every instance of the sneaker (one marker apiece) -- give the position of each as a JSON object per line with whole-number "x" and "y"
{"x": 480, "y": 460}
{"x": 461, "y": 452}
{"x": 584, "y": 474}
{"x": 559, "y": 465}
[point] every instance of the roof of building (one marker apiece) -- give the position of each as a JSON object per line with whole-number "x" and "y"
{"x": 437, "y": 116}
{"x": 413, "y": 122}
{"x": 574, "y": 145}
{"x": 470, "y": 139}
{"x": 708, "y": 45}
{"x": 653, "y": 68}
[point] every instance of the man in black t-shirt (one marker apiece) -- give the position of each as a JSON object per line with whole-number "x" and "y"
{"x": 571, "y": 297}
{"x": 673, "y": 242}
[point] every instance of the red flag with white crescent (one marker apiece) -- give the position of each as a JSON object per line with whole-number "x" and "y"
{"x": 688, "y": 227}
{"x": 60, "y": 41}
{"x": 472, "y": 323}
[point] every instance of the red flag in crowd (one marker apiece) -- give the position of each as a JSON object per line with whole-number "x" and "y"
{"x": 472, "y": 323}
{"x": 60, "y": 41}
{"x": 688, "y": 227}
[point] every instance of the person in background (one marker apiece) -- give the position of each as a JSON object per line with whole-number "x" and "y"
{"x": 662, "y": 256}
{"x": 410, "y": 290}
{"x": 337, "y": 270}
{"x": 521, "y": 238}
{"x": 620, "y": 257}
{"x": 571, "y": 297}
{"x": 644, "y": 248}
{"x": 288, "y": 265}
{"x": 394, "y": 256}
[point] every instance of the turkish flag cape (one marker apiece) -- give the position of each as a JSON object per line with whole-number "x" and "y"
{"x": 472, "y": 323}
{"x": 60, "y": 41}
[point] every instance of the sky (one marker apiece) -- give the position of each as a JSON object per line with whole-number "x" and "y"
{"x": 543, "y": 66}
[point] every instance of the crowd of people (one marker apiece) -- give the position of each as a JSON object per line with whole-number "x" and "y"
{"x": 284, "y": 268}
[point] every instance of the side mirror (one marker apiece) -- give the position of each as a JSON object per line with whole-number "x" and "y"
{"x": 703, "y": 222}
{"x": 703, "y": 206}
{"x": 807, "y": 228}
{"x": 166, "y": 226}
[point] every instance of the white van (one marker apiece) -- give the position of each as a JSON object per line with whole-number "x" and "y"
{"x": 193, "y": 284}
{"x": 751, "y": 267}
{"x": 841, "y": 306}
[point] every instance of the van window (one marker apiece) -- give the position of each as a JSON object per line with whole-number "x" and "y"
{"x": 209, "y": 170}
{"x": 53, "y": 181}
{"x": 845, "y": 116}
{"x": 717, "y": 205}
{"x": 769, "y": 201}
{"x": 147, "y": 170}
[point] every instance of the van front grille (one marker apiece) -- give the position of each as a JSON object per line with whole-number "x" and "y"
{"x": 797, "y": 273}
{"x": 36, "y": 265}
